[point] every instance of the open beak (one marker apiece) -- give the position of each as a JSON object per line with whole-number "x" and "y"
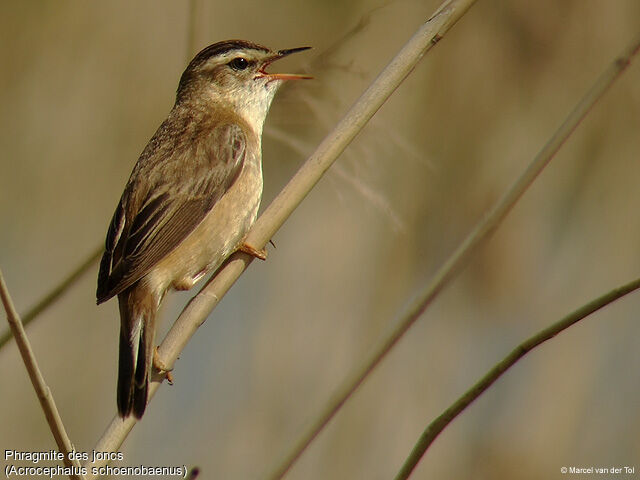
{"x": 285, "y": 76}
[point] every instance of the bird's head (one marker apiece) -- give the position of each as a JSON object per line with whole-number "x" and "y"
{"x": 233, "y": 73}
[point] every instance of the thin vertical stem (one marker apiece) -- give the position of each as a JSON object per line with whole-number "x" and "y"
{"x": 37, "y": 380}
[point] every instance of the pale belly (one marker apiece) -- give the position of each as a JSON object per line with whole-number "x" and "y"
{"x": 217, "y": 236}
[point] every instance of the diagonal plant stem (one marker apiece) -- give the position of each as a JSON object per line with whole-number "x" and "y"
{"x": 196, "y": 311}
{"x": 42, "y": 390}
{"x": 459, "y": 257}
{"x": 57, "y": 291}
{"x": 439, "y": 424}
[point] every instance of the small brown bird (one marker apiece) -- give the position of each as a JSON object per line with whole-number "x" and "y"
{"x": 190, "y": 200}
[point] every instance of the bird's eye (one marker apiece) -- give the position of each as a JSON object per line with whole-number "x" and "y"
{"x": 239, "y": 63}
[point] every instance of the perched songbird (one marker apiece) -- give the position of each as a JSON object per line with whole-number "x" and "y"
{"x": 190, "y": 200}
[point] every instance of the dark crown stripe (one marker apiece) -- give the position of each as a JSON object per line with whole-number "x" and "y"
{"x": 224, "y": 47}
{"x": 211, "y": 51}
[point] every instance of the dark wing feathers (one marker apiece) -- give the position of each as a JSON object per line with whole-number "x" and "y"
{"x": 145, "y": 224}
{"x": 187, "y": 185}
{"x": 106, "y": 264}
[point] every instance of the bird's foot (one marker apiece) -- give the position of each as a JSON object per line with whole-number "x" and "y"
{"x": 254, "y": 252}
{"x": 162, "y": 367}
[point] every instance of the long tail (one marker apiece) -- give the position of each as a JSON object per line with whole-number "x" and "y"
{"x": 137, "y": 339}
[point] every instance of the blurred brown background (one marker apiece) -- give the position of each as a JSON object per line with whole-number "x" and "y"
{"x": 85, "y": 85}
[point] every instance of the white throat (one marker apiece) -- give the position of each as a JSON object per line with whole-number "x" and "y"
{"x": 252, "y": 102}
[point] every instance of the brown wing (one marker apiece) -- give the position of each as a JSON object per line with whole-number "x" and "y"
{"x": 179, "y": 192}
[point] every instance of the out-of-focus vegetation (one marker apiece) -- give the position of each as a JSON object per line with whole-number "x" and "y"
{"x": 83, "y": 86}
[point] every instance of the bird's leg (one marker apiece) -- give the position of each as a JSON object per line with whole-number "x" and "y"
{"x": 162, "y": 367}
{"x": 254, "y": 252}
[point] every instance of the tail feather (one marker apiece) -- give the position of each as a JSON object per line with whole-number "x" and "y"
{"x": 137, "y": 337}
{"x": 125, "y": 375}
